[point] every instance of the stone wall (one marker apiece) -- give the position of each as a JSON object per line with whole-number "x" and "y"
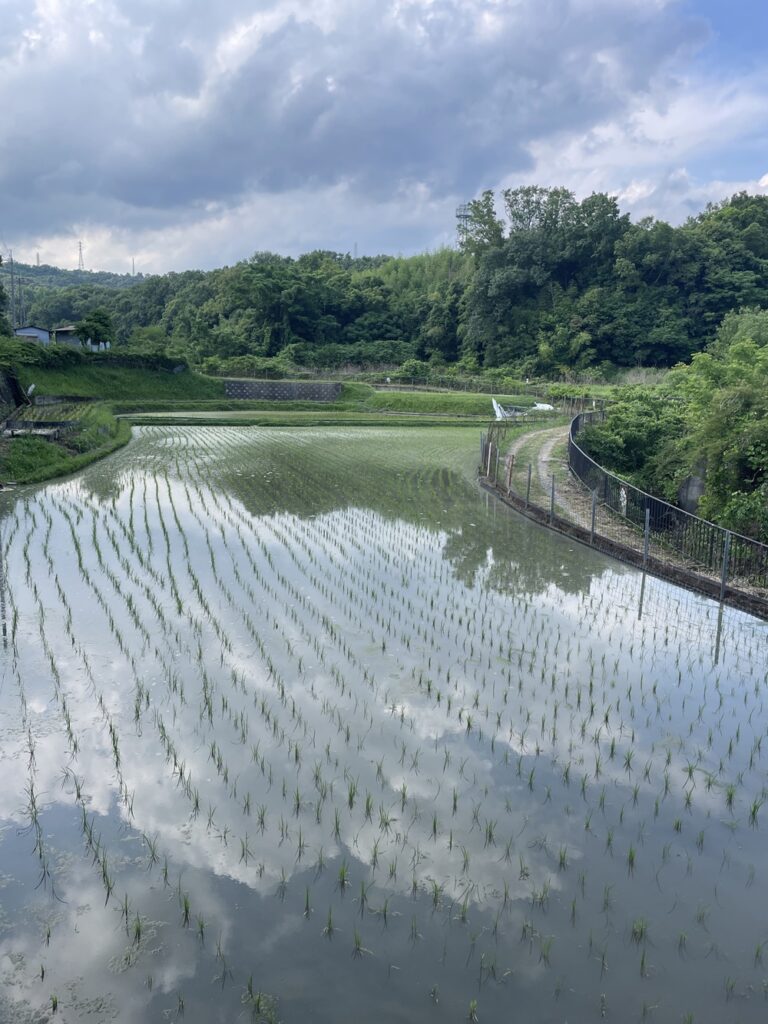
{"x": 283, "y": 390}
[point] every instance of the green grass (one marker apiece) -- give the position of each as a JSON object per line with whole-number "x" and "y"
{"x": 138, "y": 391}
{"x": 117, "y": 383}
{"x": 300, "y": 418}
{"x": 33, "y": 459}
{"x": 357, "y": 404}
{"x": 456, "y": 403}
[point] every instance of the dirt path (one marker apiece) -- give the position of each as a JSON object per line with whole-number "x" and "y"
{"x": 572, "y": 499}
{"x": 552, "y": 432}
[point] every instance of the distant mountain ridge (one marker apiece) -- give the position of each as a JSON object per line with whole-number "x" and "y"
{"x": 46, "y": 276}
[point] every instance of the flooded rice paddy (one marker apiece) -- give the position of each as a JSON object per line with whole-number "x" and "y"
{"x": 301, "y": 725}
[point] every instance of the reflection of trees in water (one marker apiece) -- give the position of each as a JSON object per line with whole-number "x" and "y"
{"x": 520, "y": 555}
{"x": 481, "y": 534}
{"x": 394, "y": 474}
{"x": 425, "y": 496}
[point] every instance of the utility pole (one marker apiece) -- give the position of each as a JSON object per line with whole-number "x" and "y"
{"x": 22, "y": 303}
{"x": 14, "y": 323}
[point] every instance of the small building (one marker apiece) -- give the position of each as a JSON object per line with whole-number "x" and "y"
{"x": 67, "y": 336}
{"x": 32, "y": 333}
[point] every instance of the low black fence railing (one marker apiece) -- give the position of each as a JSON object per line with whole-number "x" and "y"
{"x": 735, "y": 559}
{"x": 619, "y": 519}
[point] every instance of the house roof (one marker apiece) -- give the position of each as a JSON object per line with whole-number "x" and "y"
{"x": 31, "y": 327}
{"x": 69, "y": 327}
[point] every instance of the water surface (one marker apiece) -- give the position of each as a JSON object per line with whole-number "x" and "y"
{"x": 300, "y": 724}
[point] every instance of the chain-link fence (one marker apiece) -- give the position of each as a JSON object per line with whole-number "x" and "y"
{"x": 551, "y": 478}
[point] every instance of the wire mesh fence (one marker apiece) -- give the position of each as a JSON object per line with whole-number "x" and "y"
{"x": 551, "y": 478}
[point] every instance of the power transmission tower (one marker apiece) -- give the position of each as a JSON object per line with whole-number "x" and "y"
{"x": 462, "y": 223}
{"x": 80, "y": 260}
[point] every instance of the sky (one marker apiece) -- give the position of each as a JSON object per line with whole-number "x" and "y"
{"x": 175, "y": 134}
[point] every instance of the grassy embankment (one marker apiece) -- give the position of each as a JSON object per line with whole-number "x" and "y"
{"x": 121, "y": 396}
{"x": 357, "y": 404}
{"x": 31, "y": 459}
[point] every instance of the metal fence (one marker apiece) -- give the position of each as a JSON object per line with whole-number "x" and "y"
{"x": 569, "y": 491}
{"x": 694, "y": 541}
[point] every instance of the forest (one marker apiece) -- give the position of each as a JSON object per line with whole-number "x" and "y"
{"x": 540, "y": 285}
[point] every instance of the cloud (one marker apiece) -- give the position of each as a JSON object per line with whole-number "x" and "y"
{"x": 646, "y": 156}
{"x": 168, "y": 129}
{"x": 336, "y": 217}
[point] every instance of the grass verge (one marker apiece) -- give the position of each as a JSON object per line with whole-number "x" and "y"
{"x": 120, "y": 383}
{"x": 27, "y": 460}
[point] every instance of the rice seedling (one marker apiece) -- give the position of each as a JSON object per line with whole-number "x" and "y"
{"x": 358, "y": 949}
{"x": 261, "y": 645}
{"x": 343, "y": 876}
{"x": 631, "y": 858}
{"x": 639, "y": 930}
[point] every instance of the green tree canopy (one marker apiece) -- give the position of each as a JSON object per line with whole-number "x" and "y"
{"x": 97, "y": 327}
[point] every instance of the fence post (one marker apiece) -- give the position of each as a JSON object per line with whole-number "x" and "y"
{"x": 528, "y": 488}
{"x": 594, "y": 516}
{"x": 552, "y": 501}
{"x": 496, "y": 472}
{"x": 510, "y": 465}
{"x": 726, "y": 559}
{"x": 647, "y": 536}
{"x": 490, "y": 455}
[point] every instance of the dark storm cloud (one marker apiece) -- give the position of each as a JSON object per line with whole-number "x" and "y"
{"x": 143, "y": 114}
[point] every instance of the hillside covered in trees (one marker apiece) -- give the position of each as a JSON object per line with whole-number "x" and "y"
{"x": 541, "y": 285}
{"x": 708, "y": 419}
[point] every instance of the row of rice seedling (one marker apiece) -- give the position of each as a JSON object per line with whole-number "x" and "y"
{"x": 364, "y": 726}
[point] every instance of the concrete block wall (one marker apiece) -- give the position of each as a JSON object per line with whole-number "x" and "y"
{"x": 283, "y": 390}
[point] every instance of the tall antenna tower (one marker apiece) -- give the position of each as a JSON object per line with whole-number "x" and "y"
{"x": 38, "y": 258}
{"x": 462, "y": 223}
{"x": 80, "y": 261}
